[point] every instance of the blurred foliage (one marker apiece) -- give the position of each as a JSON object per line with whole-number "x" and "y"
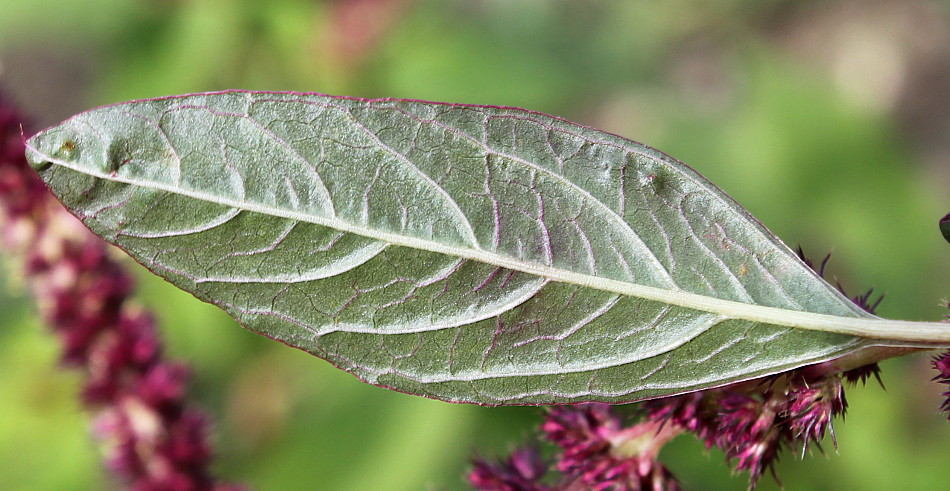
{"x": 819, "y": 117}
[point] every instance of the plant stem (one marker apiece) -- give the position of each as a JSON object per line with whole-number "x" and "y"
{"x": 858, "y": 359}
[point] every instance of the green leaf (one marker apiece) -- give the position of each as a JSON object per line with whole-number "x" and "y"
{"x": 477, "y": 254}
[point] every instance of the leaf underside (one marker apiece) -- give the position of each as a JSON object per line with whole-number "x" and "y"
{"x": 466, "y": 253}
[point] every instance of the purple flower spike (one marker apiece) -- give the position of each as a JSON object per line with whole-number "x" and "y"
{"x": 582, "y": 432}
{"x": 599, "y": 453}
{"x": 751, "y": 422}
{"x": 151, "y": 439}
{"x": 521, "y": 471}
{"x": 749, "y": 434}
{"x": 941, "y": 364}
{"x": 683, "y": 411}
{"x": 811, "y": 410}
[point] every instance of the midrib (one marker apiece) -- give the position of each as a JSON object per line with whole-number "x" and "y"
{"x": 923, "y": 333}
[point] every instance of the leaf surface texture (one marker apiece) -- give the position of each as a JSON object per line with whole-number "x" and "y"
{"x": 467, "y": 253}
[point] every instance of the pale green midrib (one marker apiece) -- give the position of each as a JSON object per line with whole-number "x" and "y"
{"x": 923, "y": 333}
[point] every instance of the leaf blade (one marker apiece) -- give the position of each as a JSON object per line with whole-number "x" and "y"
{"x": 473, "y": 254}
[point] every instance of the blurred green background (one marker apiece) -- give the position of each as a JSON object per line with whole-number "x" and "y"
{"x": 828, "y": 120}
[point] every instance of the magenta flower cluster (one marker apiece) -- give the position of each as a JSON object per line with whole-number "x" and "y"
{"x": 941, "y": 362}
{"x": 596, "y": 452}
{"x": 523, "y": 470}
{"x": 152, "y": 440}
{"x": 752, "y": 422}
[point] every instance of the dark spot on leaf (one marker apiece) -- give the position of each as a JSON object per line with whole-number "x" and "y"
{"x": 67, "y": 150}
{"x": 120, "y": 153}
{"x": 660, "y": 183}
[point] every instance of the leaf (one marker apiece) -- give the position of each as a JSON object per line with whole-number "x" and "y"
{"x": 473, "y": 254}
